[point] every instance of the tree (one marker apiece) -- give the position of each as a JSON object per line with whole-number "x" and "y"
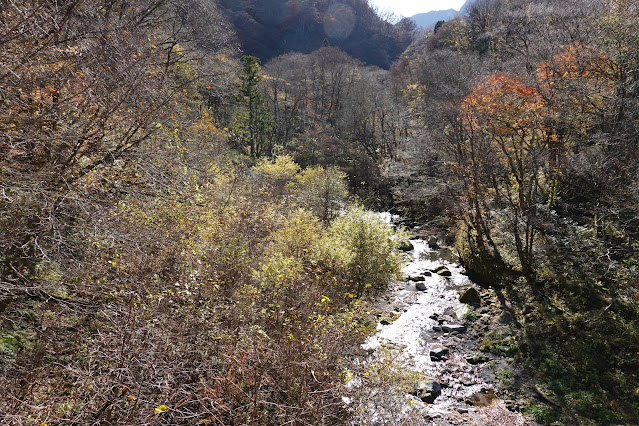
{"x": 287, "y": 92}
{"x": 322, "y": 191}
{"x": 84, "y": 86}
{"x": 504, "y": 153}
{"x": 252, "y": 128}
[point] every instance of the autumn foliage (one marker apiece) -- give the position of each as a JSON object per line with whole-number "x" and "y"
{"x": 150, "y": 271}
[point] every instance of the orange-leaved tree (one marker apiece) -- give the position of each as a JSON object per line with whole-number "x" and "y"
{"x": 502, "y": 161}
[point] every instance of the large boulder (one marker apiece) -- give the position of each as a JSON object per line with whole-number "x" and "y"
{"x": 428, "y": 391}
{"x": 406, "y": 246}
{"x": 470, "y": 297}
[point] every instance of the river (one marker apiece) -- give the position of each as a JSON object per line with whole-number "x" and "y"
{"x": 423, "y": 366}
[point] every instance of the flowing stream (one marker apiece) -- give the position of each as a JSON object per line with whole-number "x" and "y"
{"x": 424, "y": 338}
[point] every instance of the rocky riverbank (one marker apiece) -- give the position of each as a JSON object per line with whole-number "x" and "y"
{"x": 429, "y": 361}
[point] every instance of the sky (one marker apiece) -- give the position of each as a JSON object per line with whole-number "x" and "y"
{"x": 412, "y": 7}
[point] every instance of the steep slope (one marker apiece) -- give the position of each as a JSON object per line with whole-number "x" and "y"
{"x": 466, "y": 7}
{"x": 273, "y": 27}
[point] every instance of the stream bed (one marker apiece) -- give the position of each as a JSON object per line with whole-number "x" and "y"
{"x": 423, "y": 364}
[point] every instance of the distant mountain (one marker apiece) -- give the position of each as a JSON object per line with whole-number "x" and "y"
{"x": 429, "y": 19}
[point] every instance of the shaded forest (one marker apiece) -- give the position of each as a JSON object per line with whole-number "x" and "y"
{"x": 184, "y": 187}
{"x": 269, "y": 28}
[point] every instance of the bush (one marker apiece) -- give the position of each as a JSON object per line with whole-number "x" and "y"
{"x": 323, "y": 191}
{"x": 365, "y": 249}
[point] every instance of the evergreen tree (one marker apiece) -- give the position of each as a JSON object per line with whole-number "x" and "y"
{"x": 252, "y": 127}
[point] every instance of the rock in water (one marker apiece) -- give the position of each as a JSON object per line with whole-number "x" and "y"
{"x": 432, "y": 243}
{"x": 449, "y": 328}
{"x": 420, "y": 286}
{"x": 442, "y": 271}
{"x": 450, "y": 311}
{"x": 484, "y": 398}
{"x": 470, "y": 297}
{"x": 417, "y": 278}
{"x": 438, "y": 353}
{"x": 406, "y": 246}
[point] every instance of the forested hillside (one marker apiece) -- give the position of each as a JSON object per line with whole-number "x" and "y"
{"x": 184, "y": 234}
{"x": 532, "y": 106}
{"x": 268, "y": 28}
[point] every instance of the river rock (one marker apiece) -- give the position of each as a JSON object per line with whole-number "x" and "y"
{"x": 408, "y": 223}
{"x": 461, "y": 310}
{"x": 437, "y": 353}
{"x": 449, "y": 328}
{"x": 427, "y": 273}
{"x": 437, "y": 328}
{"x": 442, "y": 271}
{"x": 420, "y": 286}
{"x": 417, "y": 278}
{"x": 475, "y": 359}
{"x": 436, "y": 414}
{"x": 470, "y": 297}
{"x": 428, "y": 391}
{"x": 406, "y": 246}
{"x": 432, "y": 243}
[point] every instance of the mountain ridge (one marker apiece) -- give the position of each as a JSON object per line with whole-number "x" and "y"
{"x": 429, "y": 19}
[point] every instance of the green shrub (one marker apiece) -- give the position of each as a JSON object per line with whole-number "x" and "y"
{"x": 322, "y": 191}
{"x": 365, "y": 248}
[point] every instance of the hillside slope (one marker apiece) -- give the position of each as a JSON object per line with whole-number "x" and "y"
{"x": 273, "y": 27}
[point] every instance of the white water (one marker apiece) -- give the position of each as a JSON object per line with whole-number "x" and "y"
{"x": 410, "y": 337}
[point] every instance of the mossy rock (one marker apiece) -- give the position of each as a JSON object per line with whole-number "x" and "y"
{"x": 442, "y": 271}
{"x": 470, "y": 297}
